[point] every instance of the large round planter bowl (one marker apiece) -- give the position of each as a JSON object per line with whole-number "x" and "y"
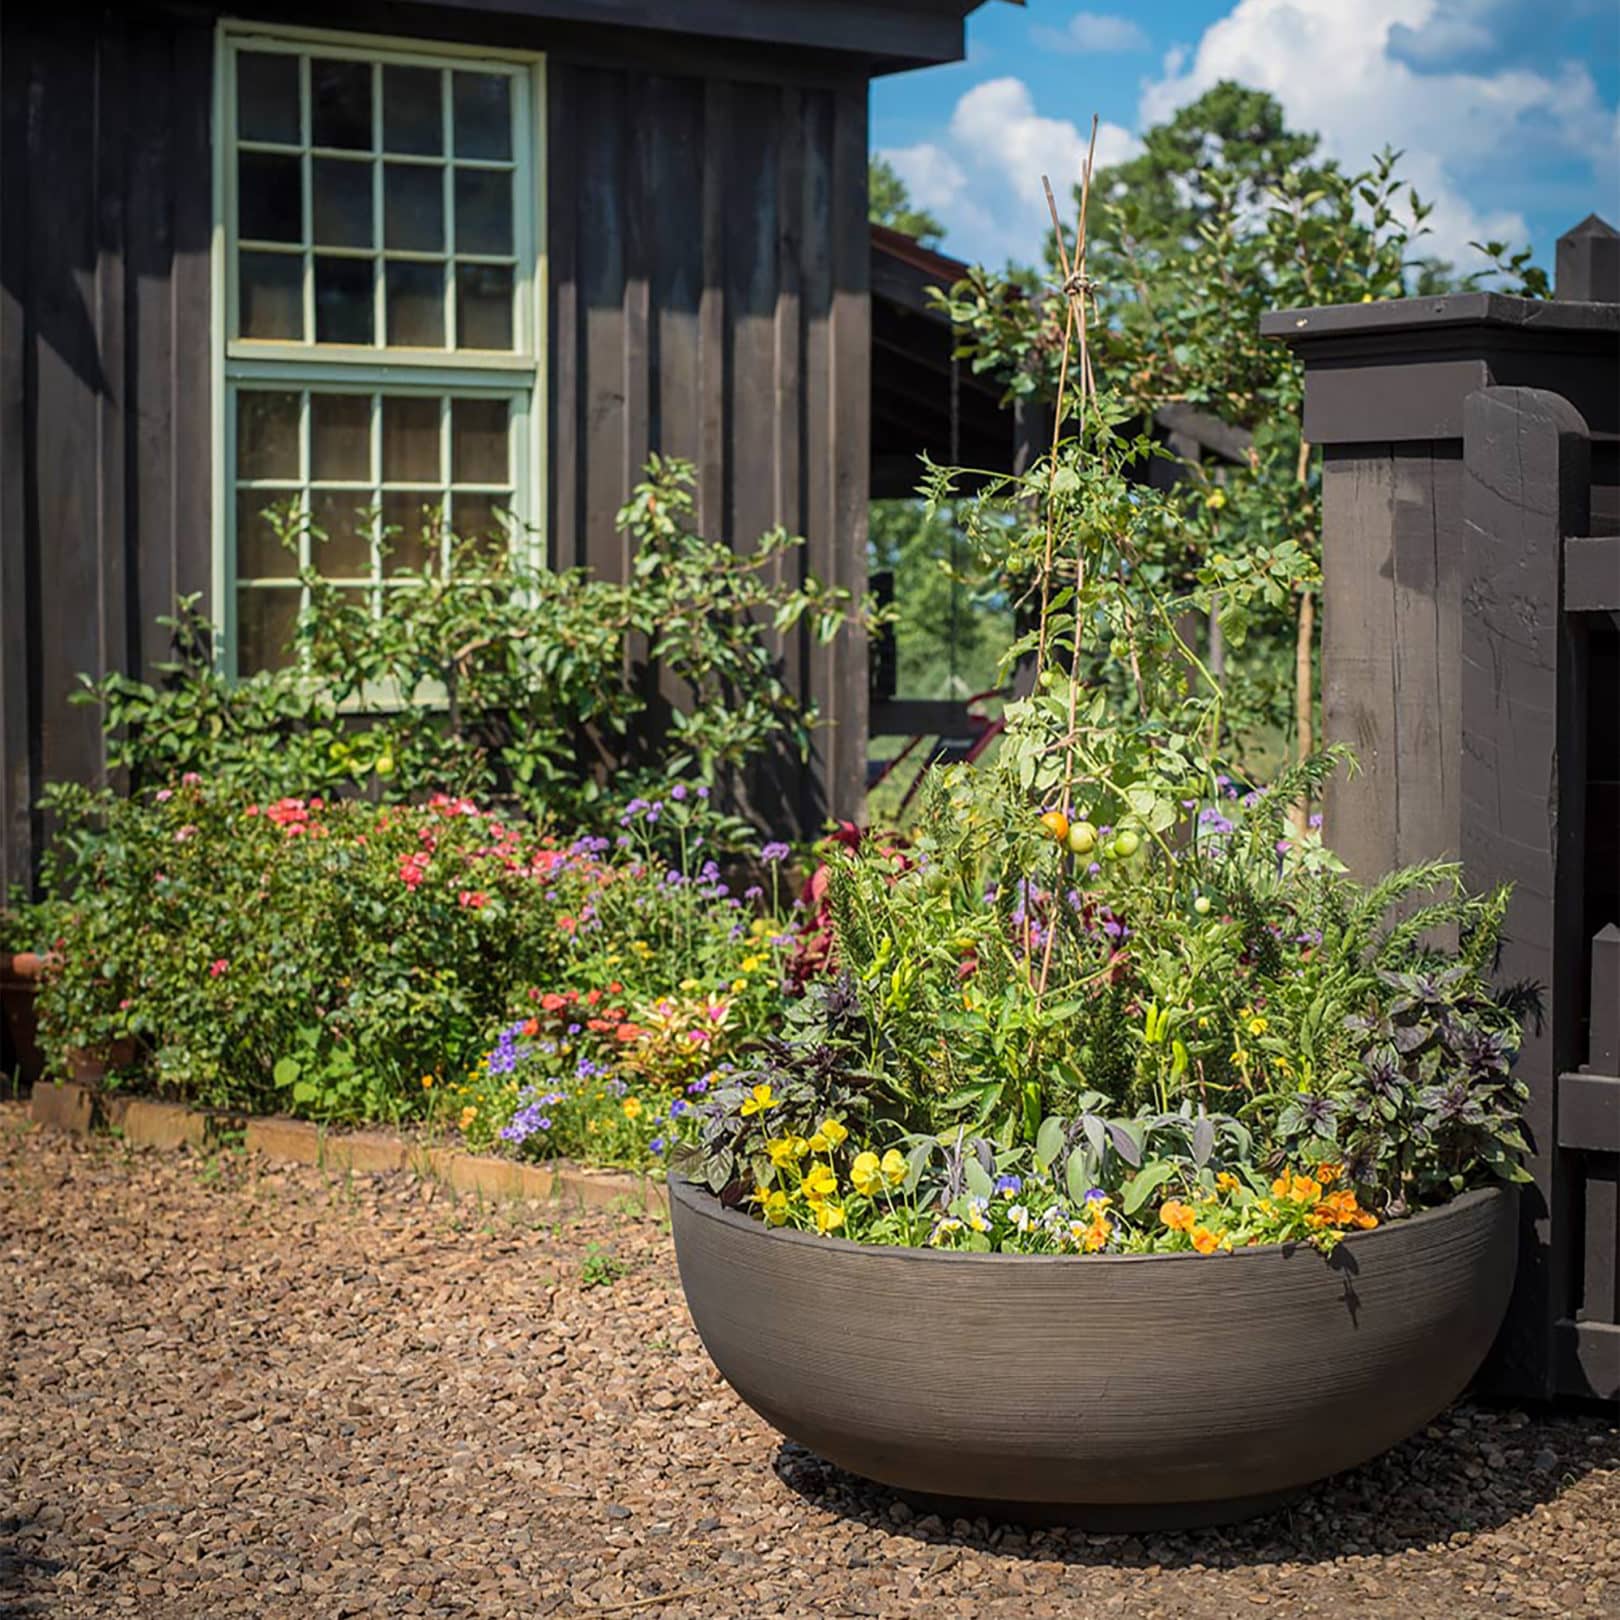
{"x": 1117, "y": 1391}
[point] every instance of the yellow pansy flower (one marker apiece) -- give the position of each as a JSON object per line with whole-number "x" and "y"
{"x": 866, "y": 1174}
{"x": 631, "y": 1107}
{"x": 1258, "y": 1026}
{"x": 833, "y": 1130}
{"x": 819, "y": 1143}
{"x": 894, "y": 1167}
{"x": 758, "y": 1100}
{"x": 829, "y": 1217}
{"x": 773, "y": 1205}
{"x": 820, "y": 1183}
{"x": 468, "y": 1115}
{"x": 781, "y": 1151}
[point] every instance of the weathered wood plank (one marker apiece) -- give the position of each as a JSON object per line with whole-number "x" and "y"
{"x": 598, "y": 156}
{"x": 1525, "y": 488}
{"x": 18, "y": 787}
{"x": 1358, "y": 653}
{"x": 68, "y": 381}
{"x": 713, "y": 336}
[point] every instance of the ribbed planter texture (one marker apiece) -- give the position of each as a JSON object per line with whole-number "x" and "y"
{"x": 1116, "y": 1391}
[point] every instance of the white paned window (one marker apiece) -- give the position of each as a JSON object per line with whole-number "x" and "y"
{"x": 380, "y": 268}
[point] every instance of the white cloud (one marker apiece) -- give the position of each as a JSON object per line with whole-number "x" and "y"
{"x": 1345, "y": 72}
{"x": 1093, "y": 32}
{"x": 984, "y": 177}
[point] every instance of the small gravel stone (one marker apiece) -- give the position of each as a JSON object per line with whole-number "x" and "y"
{"x": 233, "y": 1389}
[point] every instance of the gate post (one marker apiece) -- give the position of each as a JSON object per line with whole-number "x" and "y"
{"x": 1526, "y": 484}
{"x": 1384, "y": 390}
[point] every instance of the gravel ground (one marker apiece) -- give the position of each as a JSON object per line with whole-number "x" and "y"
{"x": 230, "y": 1390}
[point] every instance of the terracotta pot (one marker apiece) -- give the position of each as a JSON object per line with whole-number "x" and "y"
{"x": 20, "y": 1056}
{"x": 1122, "y": 1391}
{"x": 88, "y": 1065}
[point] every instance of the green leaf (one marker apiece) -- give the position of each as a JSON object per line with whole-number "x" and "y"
{"x": 286, "y": 1071}
{"x": 978, "y": 1183}
{"x": 1048, "y": 1141}
{"x": 1145, "y": 1182}
{"x": 1077, "y": 1176}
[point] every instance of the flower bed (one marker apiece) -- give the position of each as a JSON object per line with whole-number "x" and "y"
{"x": 349, "y": 962}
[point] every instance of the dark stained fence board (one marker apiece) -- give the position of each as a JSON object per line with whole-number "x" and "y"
{"x": 1525, "y": 488}
{"x": 1358, "y": 669}
{"x": 1588, "y": 1360}
{"x": 1592, "y": 574}
{"x": 1589, "y": 1112}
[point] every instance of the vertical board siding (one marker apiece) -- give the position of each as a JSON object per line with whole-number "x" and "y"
{"x": 709, "y": 268}
{"x": 104, "y": 439}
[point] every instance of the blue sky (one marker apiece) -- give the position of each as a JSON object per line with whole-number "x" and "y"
{"x": 1506, "y": 109}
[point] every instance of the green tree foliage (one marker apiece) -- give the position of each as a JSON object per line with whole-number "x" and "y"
{"x": 889, "y": 203}
{"x": 1226, "y": 213}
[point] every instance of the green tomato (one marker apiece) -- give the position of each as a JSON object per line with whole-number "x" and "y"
{"x": 1127, "y": 844}
{"x": 1047, "y": 678}
{"x": 384, "y": 765}
{"x": 1082, "y": 838}
{"x": 1201, "y": 905}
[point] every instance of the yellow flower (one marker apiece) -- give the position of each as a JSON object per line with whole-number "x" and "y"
{"x": 819, "y": 1143}
{"x": 468, "y": 1115}
{"x": 641, "y": 947}
{"x": 1204, "y": 1240}
{"x": 1304, "y": 1190}
{"x": 1177, "y": 1216}
{"x": 1258, "y": 1026}
{"x": 1327, "y": 1173}
{"x": 752, "y": 964}
{"x": 829, "y": 1217}
{"x": 867, "y": 1174}
{"x": 691, "y": 984}
{"x": 761, "y": 1098}
{"x": 738, "y": 986}
{"x": 1279, "y": 1188}
{"x": 781, "y": 1151}
{"x": 894, "y": 1167}
{"x": 833, "y": 1130}
{"x": 1215, "y": 500}
{"x": 631, "y": 1107}
{"x": 1097, "y": 1234}
{"x": 1227, "y": 1182}
{"x": 773, "y": 1205}
{"x": 427, "y": 1082}
{"x": 820, "y": 1183}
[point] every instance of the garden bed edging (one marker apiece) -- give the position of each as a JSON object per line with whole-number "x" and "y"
{"x": 82, "y": 1110}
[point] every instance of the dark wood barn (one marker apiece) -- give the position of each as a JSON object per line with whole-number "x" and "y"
{"x": 492, "y": 253}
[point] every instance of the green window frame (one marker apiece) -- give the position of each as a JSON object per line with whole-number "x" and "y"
{"x": 379, "y": 279}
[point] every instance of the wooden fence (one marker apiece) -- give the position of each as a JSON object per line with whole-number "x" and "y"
{"x": 1471, "y": 658}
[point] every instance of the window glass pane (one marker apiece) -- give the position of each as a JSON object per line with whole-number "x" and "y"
{"x": 344, "y": 517}
{"x": 265, "y": 621}
{"x": 410, "y": 440}
{"x": 413, "y": 116}
{"x": 340, "y": 436}
{"x": 416, "y": 519}
{"x": 341, "y": 202}
{"x": 266, "y": 434}
{"x": 478, "y": 441}
{"x": 483, "y": 211}
{"x": 340, "y": 103}
{"x": 483, "y": 306}
{"x": 343, "y": 300}
{"x": 415, "y": 304}
{"x": 474, "y": 521}
{"x": 269, "y": 193}
{"x": 271, "y": 295}
{"x": 483, "y": 115}
{"x": 267, "y": 97}
{"x": 259, "y": 552}
{"x": 413, "y": 207}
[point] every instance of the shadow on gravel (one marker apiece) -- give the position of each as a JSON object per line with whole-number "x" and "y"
{"x": 26, "y": 1586}
{"x": 1475, "y": 1469}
